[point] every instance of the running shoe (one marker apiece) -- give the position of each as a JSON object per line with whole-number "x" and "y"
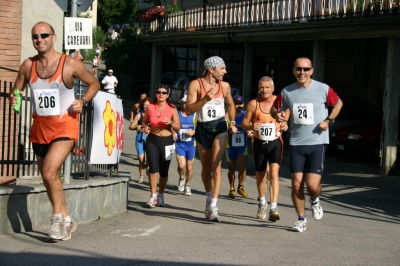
{"x": 273, "y": 215}
{"x": 213, "y": 214}
{"x": 141, "y": 179}
{"x": 317, "y": 211}
{"x": 231, "y": 193}
{"x": 300, "y": 226}
{"x": 161, "y": 202}
{"x": 241, "y": 192}
{"x": 181, "y": 184}
{"x": 152, "y": 202}
{"x": 262, "y": 211}
{"x": 188, "y": 191}
{"x": 56, "y": 231}
{"x": 207, "y": 206}
{"x": 69, "y": 228}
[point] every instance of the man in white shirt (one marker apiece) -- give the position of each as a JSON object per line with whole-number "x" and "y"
{"x": 110, "y": 82}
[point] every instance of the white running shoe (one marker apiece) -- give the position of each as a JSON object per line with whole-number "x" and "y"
{"x": 213, "y": 214}
{"x": 141, "y": 179}
{"x": 188, "y": 191}
{"x": 181, "y": 184}
{"x": 262, "y": 211}
{"x": 317, "y": 211}
{"x": 69, "y": 228}
{"x": 207, "y": 207}
{"x": 300, "y": 226}
{"x": 56, "y": 231}
{"x": 152, "y": 202}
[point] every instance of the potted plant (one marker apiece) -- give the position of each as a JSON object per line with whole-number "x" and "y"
{"x": 154, "y": 13}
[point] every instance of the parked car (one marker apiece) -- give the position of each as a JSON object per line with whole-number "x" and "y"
{"x": 356, "y": 111}
{"x": 180, "y": 89}
{"x": 361, "y": 138}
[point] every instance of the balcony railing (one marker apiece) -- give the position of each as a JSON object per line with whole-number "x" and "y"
{"x": 261, "y": 12}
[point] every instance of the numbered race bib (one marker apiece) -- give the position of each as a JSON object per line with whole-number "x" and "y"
{"x": 210, "y": 113}
{"x": 267, "y": 132}
{"x": 47, "y": 102}
{"x": 238, "y": 140}
{"x": 303, "y": 113}
{"x": 169, "y": 150}
{"x": 183, "y": 135}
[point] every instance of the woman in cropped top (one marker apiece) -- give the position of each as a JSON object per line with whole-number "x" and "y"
{"x": 136, "y": 124}
{"x": 158, "y": 120}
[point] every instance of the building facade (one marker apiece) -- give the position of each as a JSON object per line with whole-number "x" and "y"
{"x": 354, "y": 47}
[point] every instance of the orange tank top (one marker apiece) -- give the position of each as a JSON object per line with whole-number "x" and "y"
{"x": 52, "y": 106}
{"x": 265, "y": 118}
{"x": 214, "y": 109}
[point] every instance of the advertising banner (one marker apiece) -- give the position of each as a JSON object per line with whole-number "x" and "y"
{"x": 108, "y": 129}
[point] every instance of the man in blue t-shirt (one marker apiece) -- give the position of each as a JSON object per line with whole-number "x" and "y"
{"x": 307, "y": 101}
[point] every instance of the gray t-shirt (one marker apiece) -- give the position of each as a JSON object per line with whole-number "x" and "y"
{"x": 308, "y": 108}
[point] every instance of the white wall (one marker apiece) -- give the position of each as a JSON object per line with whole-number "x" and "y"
{"x": 40, "y": 10}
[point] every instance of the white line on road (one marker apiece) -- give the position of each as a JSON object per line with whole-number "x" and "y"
{"x": 140, "y": 232}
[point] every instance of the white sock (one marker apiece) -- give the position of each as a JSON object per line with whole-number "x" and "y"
{"x": 213, "y": 202}
{"x": 208, "y": 196}
{"x": 154, "y": 196}
{"x": 58, "y": 215}
{"x": 68, "y": 219}
{"x": 262, "y": 201}
{"x": 314, "y": 201}
{"x": 274, "y": 205}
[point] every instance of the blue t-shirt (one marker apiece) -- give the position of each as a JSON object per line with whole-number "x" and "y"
{"x": 308, "y": 108}
{"x": 187, "y": 123}
{"x": 239, "y": 139}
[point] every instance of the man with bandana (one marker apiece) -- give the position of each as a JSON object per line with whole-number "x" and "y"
{"x": 207, "y": 96}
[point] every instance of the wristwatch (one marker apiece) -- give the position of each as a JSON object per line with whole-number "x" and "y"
{"x": 331, "y": 121}
{"x": 233, "y": 122}
{"x": 85, "y": 102}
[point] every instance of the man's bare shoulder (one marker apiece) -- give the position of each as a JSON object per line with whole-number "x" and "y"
{"x": 27, "y": 64}
{"x": 226, "y": 87}
{"x": 194, "y": 85}
{"x": 251, "y": 105}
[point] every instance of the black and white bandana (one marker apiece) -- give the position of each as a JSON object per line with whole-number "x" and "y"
{"x": 213, "y": 62}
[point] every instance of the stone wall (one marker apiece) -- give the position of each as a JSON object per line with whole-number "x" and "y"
{"x": 26, "y": 208}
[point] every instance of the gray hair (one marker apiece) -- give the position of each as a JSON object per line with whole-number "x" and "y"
{"x": 266, "y": 78}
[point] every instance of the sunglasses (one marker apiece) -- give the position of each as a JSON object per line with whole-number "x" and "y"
{"x": 305, "y": 69}
{"x": 41, "y": 35}
{"x": 162, "y": 92}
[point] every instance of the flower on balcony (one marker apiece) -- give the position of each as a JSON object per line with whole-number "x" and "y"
{"x": 154, "y": 13}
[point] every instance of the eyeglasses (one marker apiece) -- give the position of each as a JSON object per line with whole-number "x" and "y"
{"x": 161, "y": 92}
{"x": 305, "y": 69}
{"x": 110, "y": 72}
{"x": 41, "y": 35}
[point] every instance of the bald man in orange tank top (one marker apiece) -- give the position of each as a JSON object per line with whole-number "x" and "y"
{"x": 54, "y": 131}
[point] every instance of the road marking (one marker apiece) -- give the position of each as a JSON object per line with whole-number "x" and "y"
{"x": 136, "y": 232}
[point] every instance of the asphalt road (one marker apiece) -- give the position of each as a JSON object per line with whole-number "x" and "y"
{"x": 360, "y": 225}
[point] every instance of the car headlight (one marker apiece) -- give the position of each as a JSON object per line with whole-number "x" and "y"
{"x": 353, "y": 136}
{"x": 333, "y": 134}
